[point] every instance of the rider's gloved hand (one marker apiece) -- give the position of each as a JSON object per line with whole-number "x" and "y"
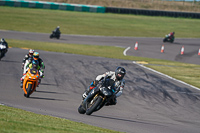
{"x": 95, "y": 83}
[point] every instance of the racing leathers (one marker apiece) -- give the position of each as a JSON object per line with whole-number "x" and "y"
{"x": 27, "y": 57}
{"x": 118, "y": 84}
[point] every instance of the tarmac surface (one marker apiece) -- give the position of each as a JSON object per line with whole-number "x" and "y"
{"x": 150, "y": 103}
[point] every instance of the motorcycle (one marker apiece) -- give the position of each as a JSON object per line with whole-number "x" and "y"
{"x": 3, "y": 50}
{"x": 55, "y": 35}
{"x": 98, "y": 97}
{"x": 30, "y": 81}
{"x": 169, "y": 39}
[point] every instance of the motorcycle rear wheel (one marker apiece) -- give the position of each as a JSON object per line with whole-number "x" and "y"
{"x": 93, "y": 107}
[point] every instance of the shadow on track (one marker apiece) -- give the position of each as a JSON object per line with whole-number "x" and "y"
{"x": 47, "y": 98}
{"x": 50, "y": 92}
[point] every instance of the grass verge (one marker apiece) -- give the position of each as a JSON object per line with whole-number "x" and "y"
{"x": 14, "y": 120}
{"x": 44, "y": 21}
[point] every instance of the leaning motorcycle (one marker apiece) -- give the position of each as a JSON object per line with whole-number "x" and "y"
{"x": 3, "y": 50}
{"x": 30, "y": 81}
{"x": 168, "y": 39}
{"x": 55, "y": 35}
{"x": 98, "y": 97}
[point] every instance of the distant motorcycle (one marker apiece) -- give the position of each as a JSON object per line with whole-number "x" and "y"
{"x": 30, "y": 81}
{"x": 169, "y": 39}
{"x": 98, "y": 97}
{"x": 55, "y": 35}
{"x": 3, "y": 50}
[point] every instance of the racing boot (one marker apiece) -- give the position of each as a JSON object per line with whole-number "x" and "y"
{"x": 38, "y": 83}
{"x": 21, "y": 84}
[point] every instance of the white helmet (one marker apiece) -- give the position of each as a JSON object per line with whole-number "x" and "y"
{"x": 2, "y": 40}
{"x": 31, "y": 51}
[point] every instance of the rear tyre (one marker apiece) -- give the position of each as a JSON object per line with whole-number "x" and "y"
{"x": 29, "y": 90}
{"x": 0, "y": 55}
{"x": 93, "y": 106}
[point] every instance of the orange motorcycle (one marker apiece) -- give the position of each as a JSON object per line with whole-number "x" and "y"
{"x": 30, "y": 81}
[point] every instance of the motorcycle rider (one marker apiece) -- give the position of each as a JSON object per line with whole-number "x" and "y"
{"x": 41, "y": 65}
{"x": 171, "y": 35}
{"x": 117, "y": 76}
{"x": 28, "y": 56}
{"x": 4, "y": 43}
{"x": 57, "y": 30}
{"x": 33, "y": 64}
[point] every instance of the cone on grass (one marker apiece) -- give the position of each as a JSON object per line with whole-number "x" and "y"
{"x": 182, "y": 50}
{"x": 162, "y": 49}
{"x": 136, "y": 46}
{"x": 199, "y": 52}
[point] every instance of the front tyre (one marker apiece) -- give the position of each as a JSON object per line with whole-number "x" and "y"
{"x": 51, "y": 36}
{"x": 81, "y": 110}
{"x": 29, "y": 90}
{"x": 165, "y": 39}
{"x": 93, "y": 106}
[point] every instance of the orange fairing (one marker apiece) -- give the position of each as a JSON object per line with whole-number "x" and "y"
{"x": 32, "y": 77}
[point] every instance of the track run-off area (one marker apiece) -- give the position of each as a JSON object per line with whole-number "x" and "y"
{"x": 150, "y": 103}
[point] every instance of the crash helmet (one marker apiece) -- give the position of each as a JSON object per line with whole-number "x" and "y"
{"x": 31, "y": 51}
{"x": 35, "y": 55}
{"x": 58, "y": 27}
{"x": 120, "y": 72}
{"x": 35, "y": 63}
{"x": 2, "y": 40}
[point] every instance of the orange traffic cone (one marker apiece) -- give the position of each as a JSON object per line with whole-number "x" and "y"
{"x": 136, "y": 46}
{"x": 199, "y": 52}
{"x": 182, "y": 50}
{"x": 162, "y": 49}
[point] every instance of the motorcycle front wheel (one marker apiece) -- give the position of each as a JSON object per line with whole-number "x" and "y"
{"x": 92, "y": 106}
{"x": 29, "y": 90}
{"x": 51, "y": 36}
{"x": 81, "y": 110}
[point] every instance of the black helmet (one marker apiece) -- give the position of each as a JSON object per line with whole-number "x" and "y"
{"x": 120, "y": 73}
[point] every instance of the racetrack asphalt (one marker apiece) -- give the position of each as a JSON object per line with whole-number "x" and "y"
{"x": 150, "y": 103}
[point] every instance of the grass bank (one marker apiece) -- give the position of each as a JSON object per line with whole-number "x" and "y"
{"x": 44, "y": 21}
{"x": 19, "y": 121}
{"x": 192, "y": 6}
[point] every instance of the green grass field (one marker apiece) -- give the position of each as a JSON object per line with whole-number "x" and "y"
{"x": 44, "y": 21}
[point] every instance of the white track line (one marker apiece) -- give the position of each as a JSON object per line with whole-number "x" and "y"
{"x": 166, "y": 76}
{"x": 126, "y": 51}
